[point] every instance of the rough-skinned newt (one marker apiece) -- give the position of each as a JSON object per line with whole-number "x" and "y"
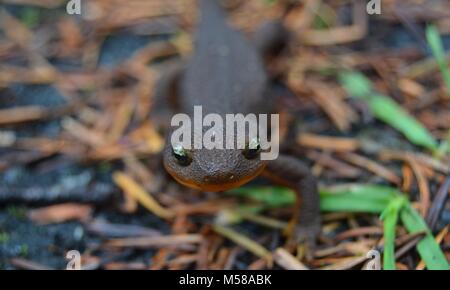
{"x": 227, "y": 75}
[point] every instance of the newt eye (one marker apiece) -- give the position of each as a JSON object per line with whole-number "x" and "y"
{"x": 182, "y": 156}
{"x": 252, "y": 150}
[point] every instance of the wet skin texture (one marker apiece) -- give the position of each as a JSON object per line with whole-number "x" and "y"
{"x": 227, "y": 75}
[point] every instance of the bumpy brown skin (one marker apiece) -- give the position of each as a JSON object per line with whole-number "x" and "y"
{"x": 227, "y": 75}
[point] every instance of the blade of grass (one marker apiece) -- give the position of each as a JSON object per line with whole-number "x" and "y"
{"x": 378, "y": 192}
{"x": 387, "y": 110}
{"x": 357, "y": 198}
{"x": 356, "y": 84}
{"x": 268, "y": 195}
{"x": 362, "y": 198}
{"x": 428, "y": 249}
{"x": 30, "y": 17}
{"x": 351, "y": 203}
{"x": 435, "y": 42}
{"x": 390, "y": 219}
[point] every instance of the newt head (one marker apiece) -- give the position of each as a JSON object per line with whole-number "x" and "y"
{"x": 212, "y": 170}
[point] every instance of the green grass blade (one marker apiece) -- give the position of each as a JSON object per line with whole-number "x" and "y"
{"x": 357, "y": 198}
{"x": 435, "y": 42}
{"x": 351, "y": 203}
{"x": 387, "y": 110}
{"x": 390, "y": 219}
{"x": 270, "y": 196}
{"x": 389, "y": 241}
{"x": 370, "y": 192}
{"x": 30, "y": 17}
{"x": 428, "y": 249}
{"x": 361, "y": 198}
{"x": 356, "y": 84}
{"x": 353, "y": 198}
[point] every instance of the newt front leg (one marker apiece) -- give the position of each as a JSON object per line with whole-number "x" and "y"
{"x": 289, "y": 171}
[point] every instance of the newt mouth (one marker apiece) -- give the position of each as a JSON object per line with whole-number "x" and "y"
{"x": 215, "y": 187}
